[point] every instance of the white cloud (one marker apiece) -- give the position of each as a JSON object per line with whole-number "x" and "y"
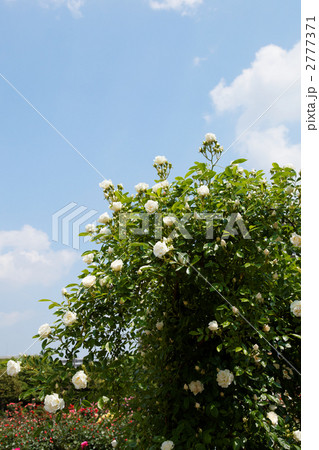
{"x": 198, "y": 60}
{"x": 26, "y": 258}
{"x": 253, "y": 91}
{"x": 14, "y": 317}
{"x": 178, "y": 5}
{"x": 74, "y": 6}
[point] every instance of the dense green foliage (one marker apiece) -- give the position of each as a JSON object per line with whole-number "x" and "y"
{"x": 145, "y": 326}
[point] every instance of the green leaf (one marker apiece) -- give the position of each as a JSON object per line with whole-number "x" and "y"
{"x": 239, "y": 161}
{"x": 219, "y": 347}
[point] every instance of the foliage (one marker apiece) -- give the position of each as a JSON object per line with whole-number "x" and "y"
{"x": 145, "y": 325}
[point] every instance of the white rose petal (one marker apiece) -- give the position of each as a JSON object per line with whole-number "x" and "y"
{"x": 89, "y": 281}
{"x": 295, "y": 240}
{"x": 295, "y": 308}
{"x": 210, "y": 137}
{"x": 13, "y": 368}
{"x": 69, "y": 318}
{"x": 52, "y": 403}
{"x": 160, "y": 160}
{"x": 151, "y": 206}
{"x": 223, "y": 243}
{"x": 116, "y": 206}
{"x": 104, "y": 218}
{"x": 213, "y": 326}
{"x": 44, "y": 330}
{"x": 225, "y": 378}
{"x": 160, "y": 249}
{"x": 117, "y": 265}
{"x": 80, "y": 380}
{"x": 141, "y": 187}
{"x": 196, "y": 387}
{"x": 88, "y": 259}
{"x": 272, "y": 416}
{"x": 203, "y": 190}
{"x": 106, "y": 184}
{"x": 64, "y": 291}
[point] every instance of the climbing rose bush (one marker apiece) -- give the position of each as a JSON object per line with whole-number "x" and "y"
{"x": 192, "y": 308}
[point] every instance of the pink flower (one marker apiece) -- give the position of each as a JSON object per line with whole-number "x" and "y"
{"x": 84, "y": 444}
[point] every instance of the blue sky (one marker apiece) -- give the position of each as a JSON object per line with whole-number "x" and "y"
{"x": 124, "y": 81}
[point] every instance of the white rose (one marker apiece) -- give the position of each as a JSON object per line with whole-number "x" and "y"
{"x": 147, "y": 332}
{"x": 117, "y": 265}
{"x": 88, "y": 259}
{"x": 223, "y": 243}
{"x": 106, "y": 184}
{"x": 103, "y": 281}
{"x": 13, "y": 368}
{"x": 275, "y": 276}
{"x": 141, "y": 187}
{"x": 160, "y": 160}
{"x": 266, "y": 328}
{"x": 52, "y": 403}
{"x": 114, "y": 443}
{"x": 295, "y": 308}
{"x": 160, "y": 325}
{"x": 295, "y": 240}
{"x": 203, "y": 190}
{"x": 80, "y": 380}
{"x": 110, "y": 250}
{"x": 69, "y": 318}
{"x": 162, "y": 185}
{"x": 236, "y": 202}
{"x": 272, "y": 416}
{"x": 213, "y": 326}
{"x": 44, "y": 330}
{"x": 104, "y": 218}
{"x": 90, "y": 228}
{"x": 259, "y": 297}
{"x": 240, "y": 169}
{"x": 151, "y": 206}
{"x": 106, "y": 231}
{"x": 116, "y": 206}
{"x": 225, "y": 378}
{"x": 89, "y": 281}
{"x": 196, "y": 387}
{"x": 169, "y": 221}
{"x": 235, "y": 310}
{"x": 266, "y": 252}
{"x": 160, "y": 249}
{"x": 297, "y": 435}
{"x": 167, "y": 445}
{"x": 210, "y": 137}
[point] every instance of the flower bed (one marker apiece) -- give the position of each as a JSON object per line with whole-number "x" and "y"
{"x": 30, "y": 427}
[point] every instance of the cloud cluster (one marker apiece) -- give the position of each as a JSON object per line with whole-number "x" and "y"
{"x": 74, "y": 6}
{"x": 178, "y": 5}
{"x": 272, "y": 78}
{"x": 26, "y": 258}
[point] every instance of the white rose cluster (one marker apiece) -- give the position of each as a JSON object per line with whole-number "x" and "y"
{"x": 295, "y": 240}
{"x": 295, "y": 308}
{"x": 104, "y": 218}
{"x": 52, "y": 403}
{"x": 141, "y": 187}
{"x": 160, "y": 160}
{"x": 161, "y": 185}
{"x": 196, "y": 387}
{"x": 88, "y": 259}
{"x": 272, "y": 416}
{"x": 210, "y": 137}
{"x": 151, "y": 206}
{"x": 44, "y": 330}
{"x": 160, "y": 249}
{"x": 69, "y": 318}
{"x": 90, "y": 228}
{"x": 225, "y": 378}
{"x": 167, "y": 445}
{"x": 80, "y": 380}
{"x": 203, "y": 190}
{"x": 106, "y": 184}
{"x": 117, "y": 265}
{"x": 169, "y": 221}
{"x": 213, "y": 326}
{"x": 116, "y": 206}
{"x": 89, "y": 281}
{"x": 13, "y": 368}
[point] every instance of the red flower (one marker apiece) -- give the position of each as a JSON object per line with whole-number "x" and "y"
{"x": 84, "y": 444}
